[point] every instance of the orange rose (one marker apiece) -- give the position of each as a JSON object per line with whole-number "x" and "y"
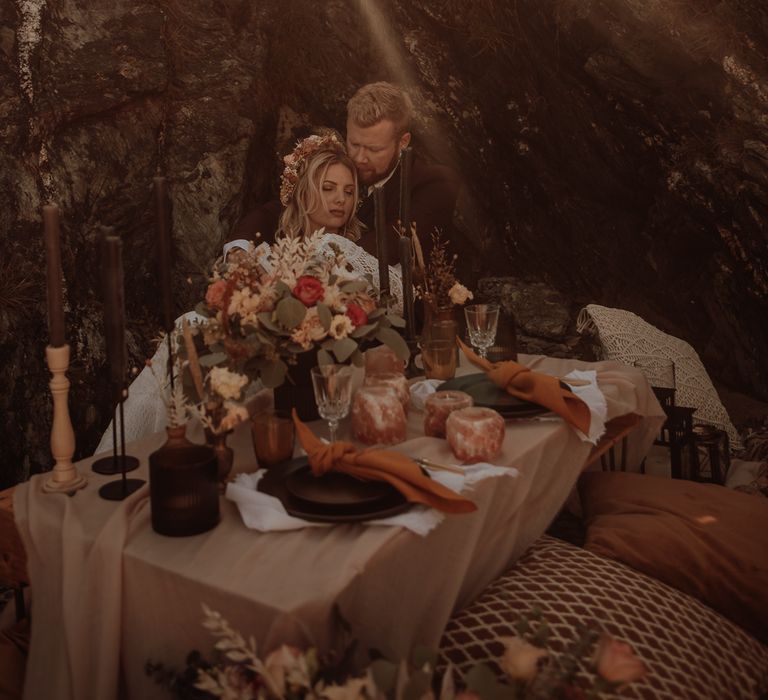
{"x": 356, "y": 315}
{"x": 616, "y": 661}
{"x": 216, "y": 294}
{"x": 309, "y": 290}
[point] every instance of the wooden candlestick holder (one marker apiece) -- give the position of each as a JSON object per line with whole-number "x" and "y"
{"x": 64, "y": 477}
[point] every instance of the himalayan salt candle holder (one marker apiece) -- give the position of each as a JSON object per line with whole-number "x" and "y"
{"x": 439, "y": 406}
{"x": 475, "y": 434}
{"x": 378, "y": 416}
{"x": 383, "y": 359}
{"x": 395, "y": 381}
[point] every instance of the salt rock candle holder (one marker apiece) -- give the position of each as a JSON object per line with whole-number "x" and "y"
{"x": 378, "y": 416}
{"x": 439, "y": 406}
{"x": 475, "y": 434}
{"x": 395, "y": 381}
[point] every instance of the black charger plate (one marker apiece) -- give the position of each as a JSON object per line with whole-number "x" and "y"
{"x": 332, "y": 498}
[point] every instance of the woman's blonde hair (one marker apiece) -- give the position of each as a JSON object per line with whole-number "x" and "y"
{"x": 306, "y": 196}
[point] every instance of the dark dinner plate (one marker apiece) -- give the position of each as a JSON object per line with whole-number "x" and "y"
{"x": 333, "y": 497}
{"x": 488, "y": 395}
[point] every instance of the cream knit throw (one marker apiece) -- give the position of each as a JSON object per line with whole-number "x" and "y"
{"x": 625, "y": 336}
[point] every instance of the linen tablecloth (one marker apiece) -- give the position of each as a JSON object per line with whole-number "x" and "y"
{"x": 109, "y": 594}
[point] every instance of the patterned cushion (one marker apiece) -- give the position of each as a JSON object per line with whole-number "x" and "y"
{"x": 690, "y": 650}
{"x": 625, "y": 337}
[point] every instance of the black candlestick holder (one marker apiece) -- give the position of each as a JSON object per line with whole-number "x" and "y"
{"x": 118, "y": 464}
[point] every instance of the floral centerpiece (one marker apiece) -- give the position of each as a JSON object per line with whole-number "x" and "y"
{"x": 593, "y": 663}
{"x": 263, "y": 313}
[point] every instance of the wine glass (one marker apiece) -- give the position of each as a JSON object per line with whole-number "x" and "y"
{"x": 333, "y": 393}
{"x": 482, "y": 321}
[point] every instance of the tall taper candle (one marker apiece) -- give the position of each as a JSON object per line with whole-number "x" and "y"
{"x": 406, "y": 265}
{"x": 53, "y": 258}
{"x": 406, "y": 163}
{"x": 379, "y": 217}
{"x": 114, "y": 313}
{"x": 163, "y": 235}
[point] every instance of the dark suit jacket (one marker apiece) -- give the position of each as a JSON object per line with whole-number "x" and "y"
{"x": 434, "y": 189}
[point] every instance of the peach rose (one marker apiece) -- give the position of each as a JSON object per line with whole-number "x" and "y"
{"x": 458, "y": 294}
{"x": 216, "y": 294}
{"x": 616, "y": 661}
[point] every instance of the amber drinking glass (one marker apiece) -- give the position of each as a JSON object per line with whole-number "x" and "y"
{"x": 273, "y": 437}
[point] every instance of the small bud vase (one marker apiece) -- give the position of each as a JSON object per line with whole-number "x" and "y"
{"x": 225, "y": 455}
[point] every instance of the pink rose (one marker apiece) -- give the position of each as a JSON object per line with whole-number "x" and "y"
{"x": 356, "y": 315}
{"x": 616, "y": 661}
{"x": 309, "y": 290}
{"x": 216, "y": 294}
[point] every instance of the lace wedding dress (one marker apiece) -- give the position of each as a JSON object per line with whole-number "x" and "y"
{"x": 144, "y": 408}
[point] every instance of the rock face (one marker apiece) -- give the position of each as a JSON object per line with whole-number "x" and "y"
{"x": 615, "y": 152}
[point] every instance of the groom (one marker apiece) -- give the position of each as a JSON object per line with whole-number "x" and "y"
{"x": 378, "y": 129}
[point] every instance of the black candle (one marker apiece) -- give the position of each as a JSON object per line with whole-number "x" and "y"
{"x": 406, "y": 264}
{"x": 114, "y": 312}
{"x": 406, "y": 163}
{"x": 53, "y": 260}
{"x": 163, "y": 235}
{"x": 381, "y": 238}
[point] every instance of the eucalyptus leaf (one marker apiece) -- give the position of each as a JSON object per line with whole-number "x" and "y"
{"x": 424, "y": 655}
{"x": 395, "y": 342}
{"x": 215, "y": 358}
{"x": 360, "y": 331}
{"x": 290, "y": 312}
{"x": 282, "y": 288}
{"x": 265, "y": 319}
{"x": 273, "y": 373}
{"x": 482, "y": 680}
{"x": 343, "y": 348}
{"x": 376, "y": 313}
{"x": 417, "y": 686}
{"x": 324, "y": 357}
{"x": 396, "y": 321}
{"x": 354, "y": 286}
{"x": 202, "y": 309}
{"x": 325, "y": 316}
{"x": 384, "y": 674}
{"x": 357, "y": 358}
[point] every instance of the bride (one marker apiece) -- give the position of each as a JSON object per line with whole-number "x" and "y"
{"x": 318, "y": 190}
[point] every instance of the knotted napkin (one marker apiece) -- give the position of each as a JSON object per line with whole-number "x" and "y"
{"x": 543, "y": 389}
{"x": 379, "y": 465}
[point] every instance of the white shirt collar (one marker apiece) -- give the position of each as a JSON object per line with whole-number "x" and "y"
{"x": 383, "y": 182}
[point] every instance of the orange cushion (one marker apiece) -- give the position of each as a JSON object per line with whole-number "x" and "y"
{"x": 703, "y": 539}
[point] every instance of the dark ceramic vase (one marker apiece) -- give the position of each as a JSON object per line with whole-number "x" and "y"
{"x": 296, "y": 391}
{"x": 225, "y": 455}
{"x": 183, "y": 486}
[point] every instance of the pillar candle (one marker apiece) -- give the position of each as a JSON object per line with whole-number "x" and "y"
{"x": 406, "y": 162}
{"x": 381, "y": 238}
{"x": 53, "y": 259}
{"x": 163, "y": 251}
{"x": 406, "y": 265}
{"x": 114, "y": 311}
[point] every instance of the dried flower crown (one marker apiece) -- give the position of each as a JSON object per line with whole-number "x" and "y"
{"x": 295, "y": 162}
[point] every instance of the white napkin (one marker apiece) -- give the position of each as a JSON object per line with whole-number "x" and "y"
{"x": 422, "y": 390}
{"x": 591, "y": 395}
{"x": 265, "y": 513}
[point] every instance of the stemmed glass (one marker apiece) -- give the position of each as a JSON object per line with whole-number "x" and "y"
{"x": 482, "y": 321}
{"x": 333, "y": 393}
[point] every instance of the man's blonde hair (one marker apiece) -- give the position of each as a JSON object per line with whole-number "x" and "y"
{"x": 306, "y": 197}
{"x": 377, "y": 101}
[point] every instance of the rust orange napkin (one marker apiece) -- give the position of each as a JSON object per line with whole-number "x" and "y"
{"x": 380, "y": 465}
{"x": 523, "y": 383}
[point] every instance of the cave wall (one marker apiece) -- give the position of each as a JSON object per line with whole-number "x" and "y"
{"x": 616, "y": 150}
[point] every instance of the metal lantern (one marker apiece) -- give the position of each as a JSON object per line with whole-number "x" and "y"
{"x": 714, "y": 454}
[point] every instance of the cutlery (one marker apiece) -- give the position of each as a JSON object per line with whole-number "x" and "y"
{"x": 429, "y": 464}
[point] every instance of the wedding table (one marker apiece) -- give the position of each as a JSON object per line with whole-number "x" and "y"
{"x": 109, "y": 594}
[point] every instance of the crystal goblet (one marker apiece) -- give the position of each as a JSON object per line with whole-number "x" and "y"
{"x": 482, "y": 322}
{"x": 333, "y": 393}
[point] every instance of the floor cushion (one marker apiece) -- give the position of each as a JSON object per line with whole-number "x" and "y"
{"x": 690, "y": 650}
{"x": 626, "y": 337}
{"x": 706, "y": 540}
